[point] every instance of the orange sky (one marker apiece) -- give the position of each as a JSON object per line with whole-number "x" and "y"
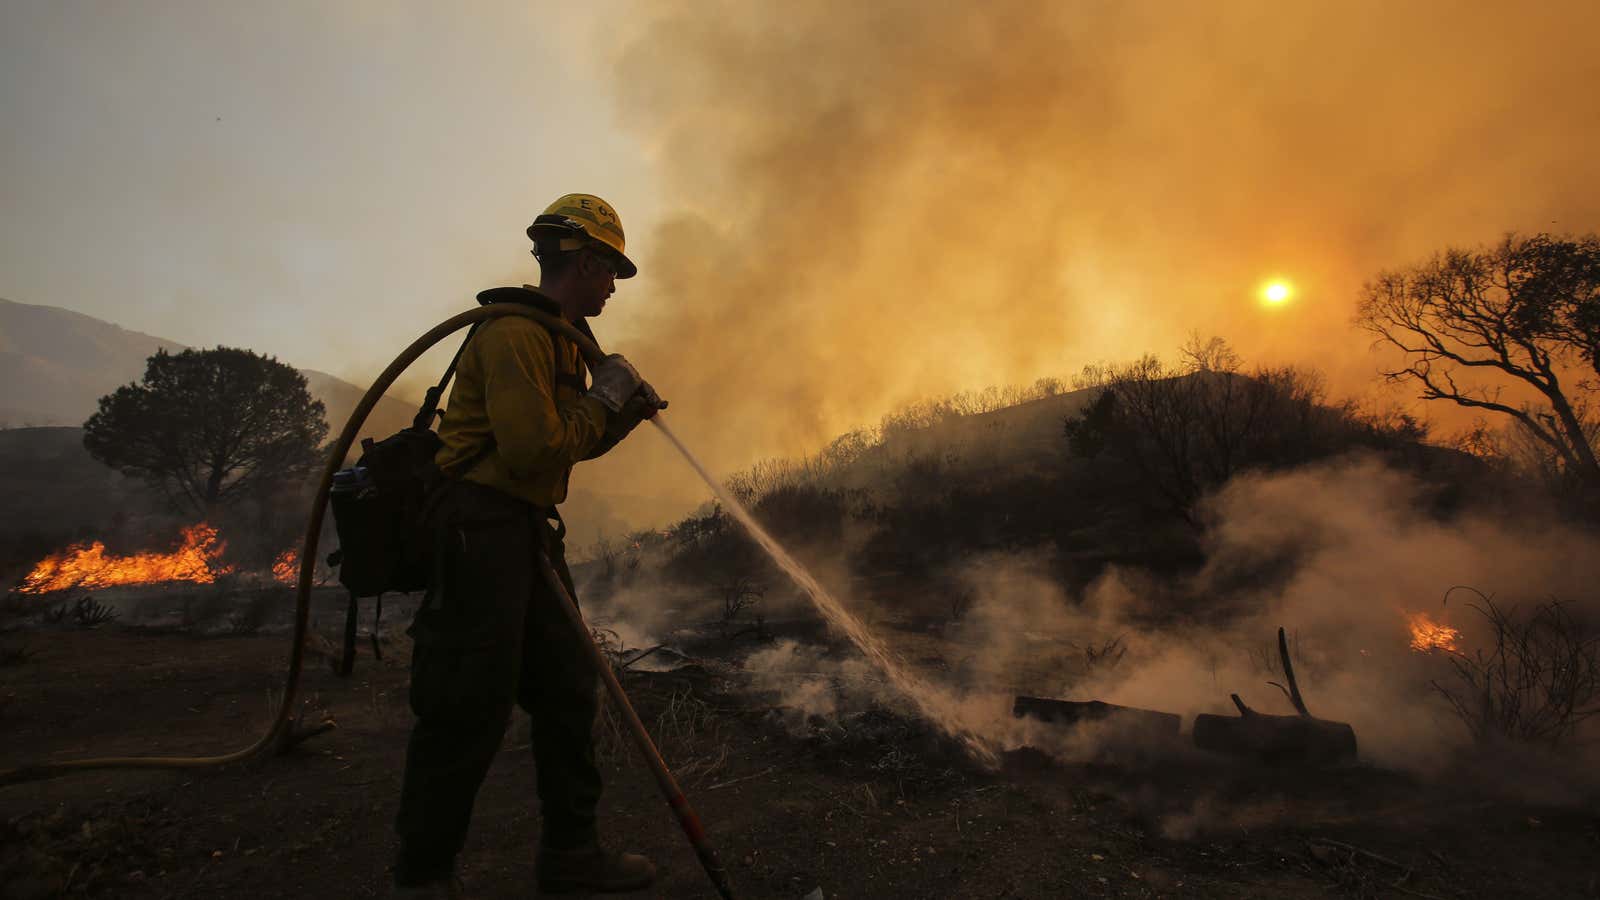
{"x": 873, "y": 202}
{"x": 837, "y": 207}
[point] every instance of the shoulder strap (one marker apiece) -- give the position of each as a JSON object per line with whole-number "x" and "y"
{"x": 430, "y": 403}
{"x": 578, "y": 379}
{"x": 583, "y": 326}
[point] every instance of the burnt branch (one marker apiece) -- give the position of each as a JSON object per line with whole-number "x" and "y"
{"x": 1288, "y": 675}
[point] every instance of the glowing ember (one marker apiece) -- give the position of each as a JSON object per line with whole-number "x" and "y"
{"x": 1428, "y": 635}
{"x": 196, "y": 561}
{"x": 286, "y": 568}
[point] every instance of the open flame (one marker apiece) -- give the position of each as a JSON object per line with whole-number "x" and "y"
{"x": 286, "y": 568}
{"x": 1428, "y": 635}
{"x": 197, "y": 560}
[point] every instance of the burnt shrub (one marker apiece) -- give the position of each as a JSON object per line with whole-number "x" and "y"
{"x": 91, "y": 613}
{"x": 1537, "y": 680}
{"x": 736, "y": 595}
{"x": 709, "y": 542}
{"x": 1187, "y": 430}
{"x": 803, "y": 513}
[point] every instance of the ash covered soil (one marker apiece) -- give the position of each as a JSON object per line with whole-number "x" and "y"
{"x": 872, "y": 806}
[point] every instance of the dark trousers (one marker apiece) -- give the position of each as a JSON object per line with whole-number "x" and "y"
{"x": 491, "y": 633}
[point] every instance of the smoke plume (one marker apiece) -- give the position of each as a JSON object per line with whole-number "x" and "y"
{"x": 871, "y": 203}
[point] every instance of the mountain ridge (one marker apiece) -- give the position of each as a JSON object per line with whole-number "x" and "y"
{"x": 58, "y": 362}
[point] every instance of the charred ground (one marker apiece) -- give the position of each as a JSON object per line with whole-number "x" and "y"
{"x": 872, "y": 805}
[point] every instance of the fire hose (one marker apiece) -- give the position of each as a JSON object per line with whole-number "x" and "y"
{"x": 280, "y": 735}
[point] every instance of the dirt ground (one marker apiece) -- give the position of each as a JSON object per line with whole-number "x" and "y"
{"x": 872, "y": 808}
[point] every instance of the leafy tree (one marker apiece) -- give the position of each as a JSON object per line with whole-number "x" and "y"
{"x": 207, "y": 427}
{"x": 1523, "y": 314}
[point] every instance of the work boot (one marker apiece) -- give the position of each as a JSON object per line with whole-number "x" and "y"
{"x": 593, "y": 869}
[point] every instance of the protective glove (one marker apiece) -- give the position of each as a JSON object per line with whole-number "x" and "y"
{"x": 647, "y": 395}
{"x": 615, "y": 381}
{"x": 644, "y": 404}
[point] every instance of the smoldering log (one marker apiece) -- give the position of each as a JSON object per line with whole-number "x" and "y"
{"x": 1297, "y": 739}
{"x": 1276, "y": 739}
{"x": 1135, "y": 721}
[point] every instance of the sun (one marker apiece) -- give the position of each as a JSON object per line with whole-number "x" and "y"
{"x": 1276, "y": 293}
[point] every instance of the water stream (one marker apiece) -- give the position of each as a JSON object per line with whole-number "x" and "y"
{"x": 933, "y": 703}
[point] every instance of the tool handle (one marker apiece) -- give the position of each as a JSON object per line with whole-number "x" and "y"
{"x": 692, "y": 829}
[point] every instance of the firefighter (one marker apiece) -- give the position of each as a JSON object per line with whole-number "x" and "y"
{"x": 490, "y": 634}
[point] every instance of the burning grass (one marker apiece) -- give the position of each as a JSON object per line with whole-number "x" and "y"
{"x": 286, "y": 568}
{"x": 1428, "y": 636}
{"x": 199, "y": 559}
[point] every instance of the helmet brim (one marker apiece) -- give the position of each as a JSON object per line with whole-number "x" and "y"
{"x": 551, "y": 231}
{"x": 625, "y": 266}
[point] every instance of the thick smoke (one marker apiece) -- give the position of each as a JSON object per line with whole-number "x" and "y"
{"x": 1360, "y": 556}
{"x": 872, "y": 203}
{"x": 1337, "y": 553}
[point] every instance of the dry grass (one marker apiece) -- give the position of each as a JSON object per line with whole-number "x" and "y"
{"x": 689, "y": 737}
{"x": 686, "y": 733}
{"x": 684, "y": 717}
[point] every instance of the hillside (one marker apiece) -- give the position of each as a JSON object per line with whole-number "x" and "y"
{"x": 50, "y": 485}
{"x": 57, "y": 363}
{"x": 998, "y": 473}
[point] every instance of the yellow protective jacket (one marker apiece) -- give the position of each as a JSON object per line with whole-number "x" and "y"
{"x": 519, "y": 395}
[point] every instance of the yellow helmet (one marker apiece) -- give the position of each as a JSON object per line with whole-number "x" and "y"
{"x": 580, "y": 220}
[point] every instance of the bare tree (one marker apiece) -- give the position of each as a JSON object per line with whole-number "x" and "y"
{"x": 1212, "y": 354}
{"x": 1523, "y": 313}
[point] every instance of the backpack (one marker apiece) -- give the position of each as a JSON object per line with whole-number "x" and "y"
{"x": 379, "y": 504}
